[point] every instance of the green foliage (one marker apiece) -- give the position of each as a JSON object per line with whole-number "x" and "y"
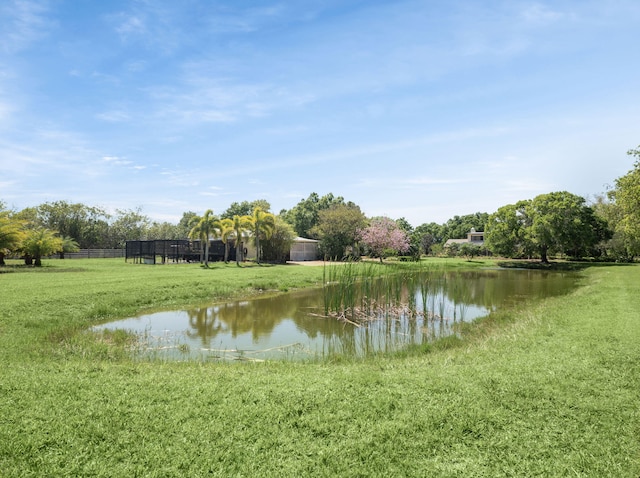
{"x": 40, "y": 242}
{"x": 425, "y": 236}
{"x": 624, "y": 214}
{"x": 470, "y": 250}
{"x": 164, "y": 230}
{"x": 241, "y": 226}
{"x": 185, "y": 224}
{"x": 459, "y": 226}
{"x": 225, "y": 227}
{"x": 277, "y": 247}
{"x": 262, "y": 226}
{"x": 88, "y": 226}
{"x": 12, "y": 232}
{"x": 558, "y": 222}
{"x": 129, "y": 225}
{"x": 505, "y": 233}
{"x": 339, "y": 229}
{"x": 428, "y": 235}
{"x": 453, "y": 249}
{"x": 204, "y": 228}
{"x": 245, "y": 208}
{"x": 404, "y": 225}
{"x": 68, "y": 245}
{"x": 305, "y": 216}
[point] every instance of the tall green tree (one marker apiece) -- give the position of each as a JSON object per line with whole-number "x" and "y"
{"x": 505, "y": 231}
{"x": 305, "y": 216}
{"x": 205, "y": 229}
{"x": 625, "y": 197}
{"x": 87, "y": 225}
{"x": 40, "y": 242}
{"x": 129, "y": 225}
{"x": 163, "y": 230}
{"x": 226, "y": 234}
{"x": 557, "y": 222}
{"x": 339, "y": 230}
{"x": 427, "y": 235}
{"x": 278, "y": 246}
{"x": 459, "y": 226}
{"x": 262, "y": 226}
{"x": 241, "y": 226}
{"x": 245, "y": 208}
{"x": 185, "y": 224}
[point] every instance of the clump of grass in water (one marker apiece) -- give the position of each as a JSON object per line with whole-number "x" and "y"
{"x": 361, "y": 292}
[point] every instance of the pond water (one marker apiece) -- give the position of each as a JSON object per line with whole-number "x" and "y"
{"x": 293, "y": 326}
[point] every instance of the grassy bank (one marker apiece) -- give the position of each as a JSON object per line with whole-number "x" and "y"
{"x": 549, "y": 391}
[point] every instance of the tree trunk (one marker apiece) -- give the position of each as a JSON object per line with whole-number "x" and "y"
{"x": 543, "y": 255}
{"x": 2, "y": 263}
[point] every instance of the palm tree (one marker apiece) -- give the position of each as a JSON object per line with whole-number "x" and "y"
{"x": 69, "y": 244}
{"x": 41, "y": 242}
{"x": 195, "y": 233}
{"x": 225, "y": 226}
{"x": 241, "y": 225}
{"x": 11, "y": 234}
{"x": 204, "y": 228}
{"x": 262, "y": 224}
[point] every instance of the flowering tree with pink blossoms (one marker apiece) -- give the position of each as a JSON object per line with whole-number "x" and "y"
{"x": 383, "y": 234}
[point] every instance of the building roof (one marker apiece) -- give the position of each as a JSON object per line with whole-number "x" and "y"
{"x": 304, "y": 239}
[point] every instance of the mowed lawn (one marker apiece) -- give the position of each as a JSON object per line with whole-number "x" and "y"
{"x": 551, "y": 389}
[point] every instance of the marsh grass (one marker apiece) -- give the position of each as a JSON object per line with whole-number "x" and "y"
{"x": 361, "y": 292}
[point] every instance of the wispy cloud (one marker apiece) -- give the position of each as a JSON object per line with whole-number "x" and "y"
{"x": 114, "y": 116}
{"x": 204, "y": 99}
{"x": 115, "y": 160}
{"x": 538, "y": 14}
{"x": 152, "y": 25}
{"x": 22, "y": 22}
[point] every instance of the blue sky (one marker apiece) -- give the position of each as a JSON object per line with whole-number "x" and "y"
{"x": 422, "y": 109}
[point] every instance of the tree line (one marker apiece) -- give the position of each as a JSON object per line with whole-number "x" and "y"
{"x": 549, "y": 224}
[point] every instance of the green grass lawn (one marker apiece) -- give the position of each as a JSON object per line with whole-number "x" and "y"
{"x": 550, "y": 390}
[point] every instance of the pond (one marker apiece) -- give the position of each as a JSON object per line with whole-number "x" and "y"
{"x": 293, "y": 326}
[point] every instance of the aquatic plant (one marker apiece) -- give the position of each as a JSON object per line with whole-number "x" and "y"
{"x": 364, "y": 291}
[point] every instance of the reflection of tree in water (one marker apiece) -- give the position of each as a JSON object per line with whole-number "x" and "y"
{"x": 486, "y": 289}
{"x": 491, "y": 288}
{"x": 204, "y": 324}
{"x": 259, "y": 317}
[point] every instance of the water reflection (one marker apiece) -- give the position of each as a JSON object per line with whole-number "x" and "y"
{"x": 293, "y": 325}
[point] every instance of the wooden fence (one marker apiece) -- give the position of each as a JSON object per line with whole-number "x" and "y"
{"x": 93, "y": 254}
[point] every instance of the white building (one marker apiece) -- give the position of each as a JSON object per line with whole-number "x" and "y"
{"x": 304, "y": 249}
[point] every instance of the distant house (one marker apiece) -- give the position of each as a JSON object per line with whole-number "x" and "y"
{"x": 473, "y": 237}
{"x": 304, "y": 249}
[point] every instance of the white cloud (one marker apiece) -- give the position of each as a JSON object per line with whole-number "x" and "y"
{"x": 22, "y": 23}
{"x": 114, "y": 116}
{"x": 130, "y": 25}
{"x": 116, "y": 161}
{"x": 538, "y": 14}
